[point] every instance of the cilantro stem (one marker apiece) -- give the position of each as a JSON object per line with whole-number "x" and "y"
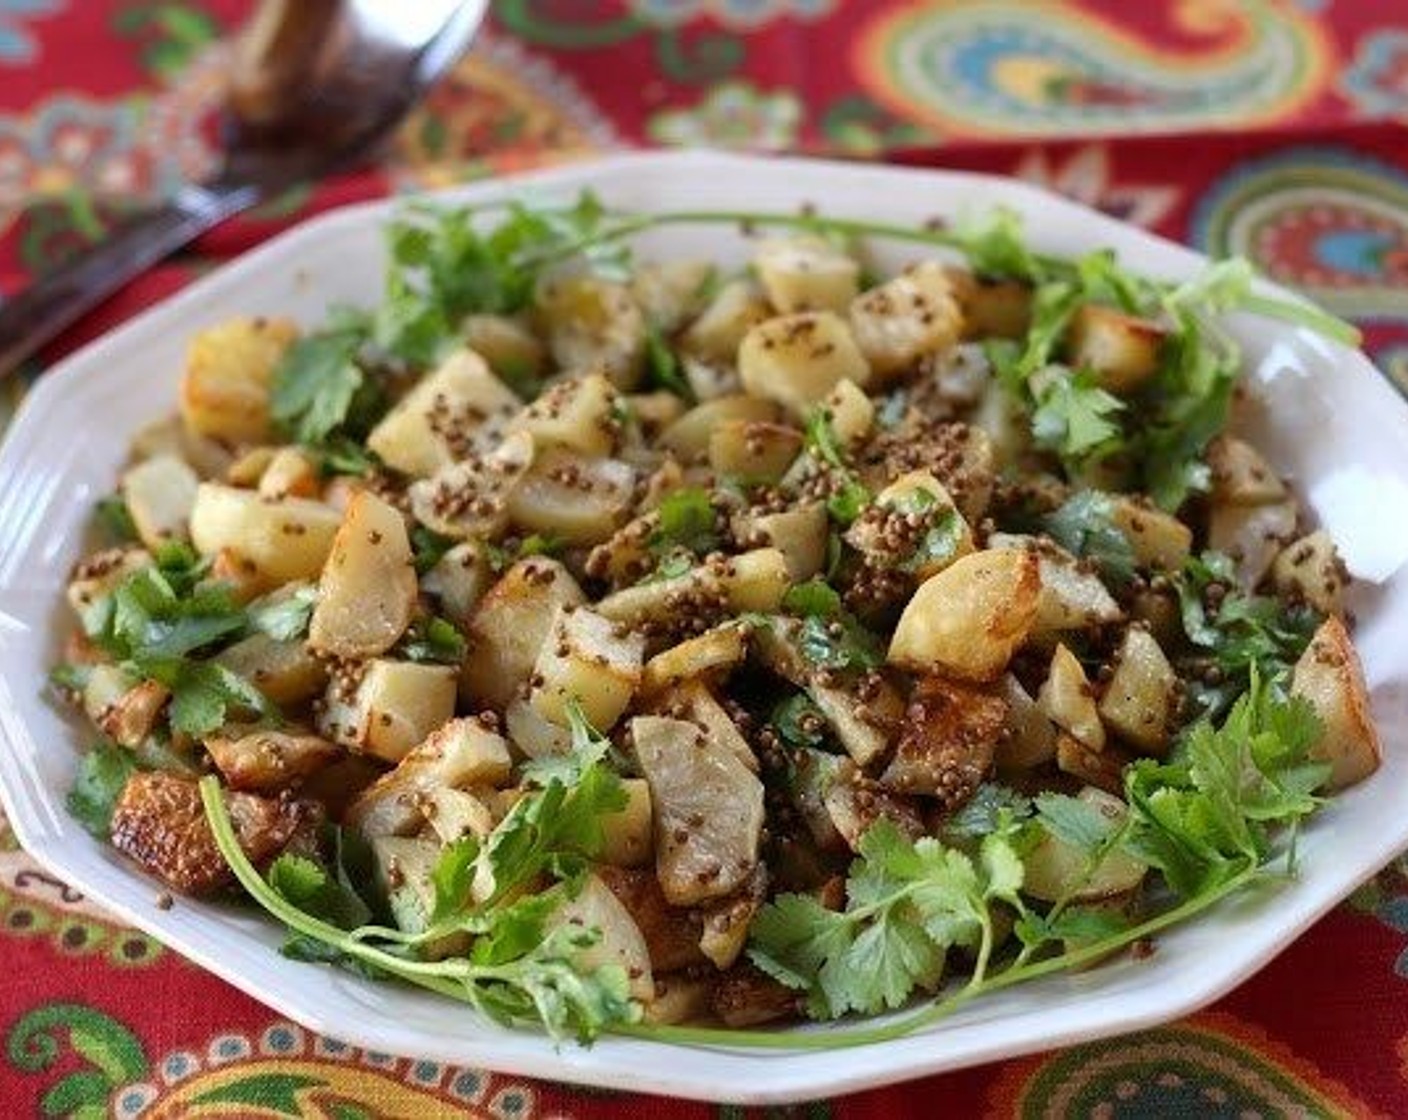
{"x": 1305, "y": 315}
{"x": 944, "y": 1006}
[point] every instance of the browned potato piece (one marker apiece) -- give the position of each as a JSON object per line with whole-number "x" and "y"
{"x": 588, "y": 659}
{"x": 688, "y": 437}
{"x": 1069, "y": 702}
{"x": 969, "y": 619}
{"x": 1240, "y": 476}
{"x": 511, "y": 349}
{"x": 1122, "y": 350}
{"x": 577, "y": 413}
{"x": 716, "y": 334}
{"x": 1311, "y": 570}
{"x": 708, "y": 810}
{"x": 1103, "y": 768}
{"x": 469, "y": 500}
{"x": 1159, "y": 539}
{"x": 797, "y": 359}
{"x": 711, "y": 653}
{"x": 285, "y": 540}
{"x": 284, "y": 671}
{"x": 619, "y": 938}
{"x": 395, "y": 705}
{"x": 670, "y": 292}
{"x": 160, "y": 494}
{"x": 744, "y": 996}
{"x": 629, "y": 832}
{"x": 906, "y": 318}
{"x": 695, "y": 703}
{"x": 458, "y": 581}
{"x": 367, "y": 592}
{"x": 1072, "y": 595}
{"x": 1054, "y": 869}
{"x": 946, "y": 746}
{"x": 580, "y": 500}
{"x": 726, "y": 921}
{"x": 1252, "y": 536}
{"x": 1031, "y": 737}
{"x": 1331, "y": 678}
{"x": 916, "y": 510}
{"x": 852, "y": 413}
{"x": 510, "y": 627}
{"x": 225, "y": 388}
{"x": 593, "y": 323}
{"x": 455, "y": 813}
{"x": 992, "y": 308}
{"x": 460, "y": 754}
{"x": 159, "y": 821}
{"x": 1138, "y": 704}
{"x": 671, "y": 932}
{"x": 854, "y": 802}
{"x": 806, "y": 273}
{"x": 124, "y": 712}
{"x": 681, "y": 998}
{"x": 751, "y": 581}
{"x": 289, "y": 474}
{"x": 266, "y": 760}
{"x": 98, "y": 575}
{"x": 799, "y": 533}
{"x": 754, "y": 450}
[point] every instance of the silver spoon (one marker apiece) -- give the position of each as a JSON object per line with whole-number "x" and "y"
{"x": 317, "y": 84}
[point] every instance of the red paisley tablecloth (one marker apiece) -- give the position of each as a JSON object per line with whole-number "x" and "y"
{"x": 1262, "y": 127}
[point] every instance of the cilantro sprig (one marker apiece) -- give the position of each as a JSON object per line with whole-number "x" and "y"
{"x": 851, "y": 495}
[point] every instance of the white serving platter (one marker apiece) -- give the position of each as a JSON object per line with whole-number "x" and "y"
{"x": 1330, "y": 421}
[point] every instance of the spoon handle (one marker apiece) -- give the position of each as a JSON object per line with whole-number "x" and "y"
{"x": 56, "y": 300}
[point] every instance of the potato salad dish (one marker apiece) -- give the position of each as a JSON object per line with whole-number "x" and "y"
{"x": 680, "y": 649}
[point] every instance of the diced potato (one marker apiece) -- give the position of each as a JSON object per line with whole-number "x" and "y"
{"x": 630, "y": 840}
{"x": 1139, "y": 701}
{"x": 694, "y": 703}
{"x": 1101, "y": 768}
{"x": 246, "y": 470}
{"x": 1331, "y": 678}
{"x": 907, "y": 318}
{"x": 865, "y": 728}
{"x": 283, "y": 670}
{"x": 969, "y": 619}
{"x": 709, "y": 380}
{"x": 854, "y": 802}
{"x": 587, "y": 659}
{"x": 593, "y": 324}
{"x": 160, "y": 494}
{"x": 241, "y": 576}
{"x": 1069, "y": 702}
{"x": 754, "y": 450}
{"x": 169, "y": 436}
{"x": 745, "y": 996}
{"x": 1055, "y": 869}
{"x": 1252, "y": 536}
{"x": 806, "y": 273}
{"x": 1158, "y": 539}
{"x": 123, "y": 708}
{"x": 469, "y": 500}
{"x": 267, "y": 760}
{"x": 460, "y": 754}
{"x": 367, "y": 591}
{"x": 669, "y": 293}
{"x": 711, "y": 653}
{"x": 98, "y": 576}
{"x": 715, "y": 336}
{"x": 654, "y": 412}
{"x": 395, "y": 706}
{"x": 751, "y": 581}
{"x": 285, "y": 540}
{"x": 578, "y": 413}
{"x": 454, "y": 814}
{"x": 511, "y": 349}
{"x": 945, "y": 748}
{"x": 458, "y": 581}
{"x": 688, "y": 437}
{"x": 727, "y": 920}
{"x": 1072, "y": 595}
{"x": 671, "y": 932}
{"x": 799, "y": 533}
{"x": 510, "y": 626}
{"x": 708, "y": 810}
{"x": 580, "y": 500}
{"x": 1240, "y": 476}
{"x": 1004, "y": 423}
{"x": 289, "y": 473}
{"x": 225, "y": 387}
{"x": 680, "y": 998}
{"x": 1310, "y": 570}
{"x": 1031, "y": 737}
{"x": 992, "y": 308}
{"x": 851, "y": 412}
{"x": 756, "y": 580}
{"x": 532, "y": 733}
{"x": 798, "y": 359}
{"x": 1120, "y": 349}
{"x": 619, "y": 938}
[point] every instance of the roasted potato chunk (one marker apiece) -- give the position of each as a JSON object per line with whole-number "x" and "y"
{"x": 577, "y": 499}
{"x": 906, "y": 319}
{"x": 593, "y": 324}
{"x": 394, "y": 706}
{"x": 589, "y": 660}
{"x": 806, "y": 274}
{"x": 1140, "y": 699}
{"x": 284, "y": 540}
{"x": 265, "y": 760}
{"x": 469, "y": 500}
{"x": 949, "y": 736}
{"x": 367, "y": 591}
{"x": 1069, "y": 701}
{"x": 1310, "y": 570}
{"x": 1331, "y": 678}
{"x": 796, "y": 360}
{"x": 1055, "y": 869}
{"x": 160, "y": 494}
{"x": 229, "y": 367}
{"x": 1121, "y": 350}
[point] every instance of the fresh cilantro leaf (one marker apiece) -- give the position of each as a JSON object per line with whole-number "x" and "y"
{"x": 309, "y": 885}
{"x": 994, "y": 244}
{"x": 202, "y": 694}
{"x": 435, "y": 640}
{"x": 673, "y": 566}
{"x": 799, "y": 721}
{"x": 539, "y": 544}
{"x": 70, "y": 677}
{"x": 452, "y": 877}
{"x": 687, "y": 520}
{"x": 850, "y": 496}
{"x": 814, "y": 599}
{"x": 156, "y": 612}
{"x": 1084, "y": 525}
{"x": 315, "y": 384}
{"x": 846, "y": 504}
{"x": 102, "y": 773}
{"x": 284, "y": 616}
{"x": 428, "y": 547}
{"x": 839, "y": 643}
{"x": 985, "y": 812}
{"x": 1076, "y": 823}
{"x": 819, "y": 437}
{"x": 662, "y": 368}
{"x": 115, "y": 519}
{"x": 1074, "y": 416}
{"x": 588, "y": 748}
{"x": 344, "y": 455}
